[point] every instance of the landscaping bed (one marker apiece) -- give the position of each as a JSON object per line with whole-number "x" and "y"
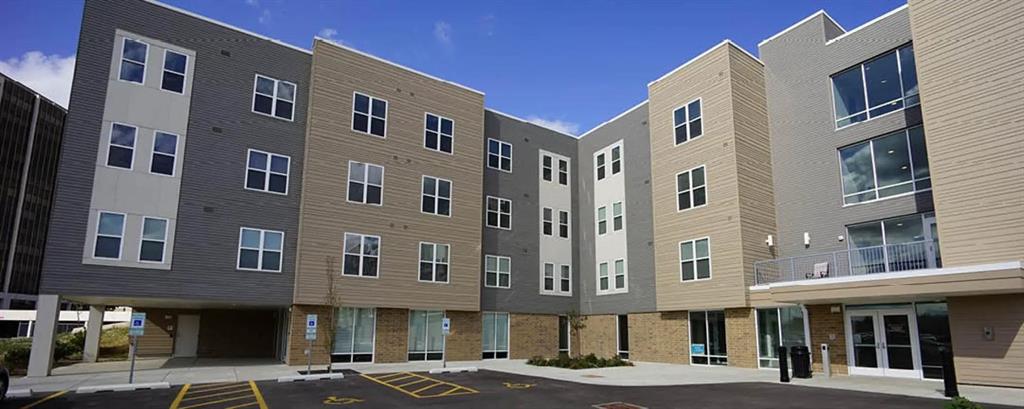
{"x": 579, "y": 362}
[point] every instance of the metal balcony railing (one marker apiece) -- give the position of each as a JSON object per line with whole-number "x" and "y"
{"x": 853, "y": 262}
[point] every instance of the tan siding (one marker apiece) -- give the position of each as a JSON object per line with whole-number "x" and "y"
{"x": 326, "y": 215}
{"x": 970, "y": 74}
{"x": 999, "y": 361}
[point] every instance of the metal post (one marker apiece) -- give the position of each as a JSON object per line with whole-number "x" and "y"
{"x": 948, "y": 373}
{"x": 783, "y": 365}
{"x": 133, "y": 345}
{"x": 309, "y": 358}
{"x": 444, "y": 353}
{"x": 826, "y": 365}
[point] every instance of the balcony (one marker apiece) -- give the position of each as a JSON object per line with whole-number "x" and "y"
{"x": 847, "y": 263}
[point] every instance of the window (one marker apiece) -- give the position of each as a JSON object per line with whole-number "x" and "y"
{"x": 884, "y": 84}
{"x": 369, "y": 115}
{"x": 599, "y": 165}
{"x": 563, "y": 224}
{"x": 549, "y": 277}
{"x": 362, "y": 255}
{"x": 434, "y": 262}
{"x": 365, "y": 183}
{"x": 426, "y": 343}
{"x": 565, "y": 279}
{"x": 616, "y": 160}
{"x": 499, "y": 155}
{"x": 260, "y": 249}
{"x": 617, "y": 216}
{"x": 895, "y": 244}
{"x": 437, "y": 196}
{"x": 165, "y": 147}
{"x": 707, "y": 338}
{"x": 563, "y": 335}
{"x": 174, "y": 72}
{"x": 556, "y": 279}
{"x": 546, "y": 168}
{"x": 154, "y": 238}
{"x": 890, "y": 165}
{"x": 602, "y": 277}
{"x": 353, "y": 335}
{"x": 620, "y": 274}
{"x": 622, "y": 336}
{"x": 438, "y": 133}
{"x": 267, "y": 172}
{"x": 495, "y": 335}
{"x": 614, "y": 282}
{"x": 695, "y": 259}
{"x": 133, "y": 61}
{"x": 273, "y": 97}
{"x": 778, "y": 327}
{"x": 602, "y": 220}
{"x": 563, "y": 172}
{"x": 548, "y": 221}
{"x": 497, "y": 271}
{"x": 499, "y": 213}
{"x": 687, "y": 122}
{"x": 121, "y": 152}
{"x": 691, "y": 189}
{"x": 109, "y": 235}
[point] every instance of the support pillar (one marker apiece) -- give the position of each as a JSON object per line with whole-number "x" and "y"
{"x": 47, "y": 314}
{"x": 93, "y": 329}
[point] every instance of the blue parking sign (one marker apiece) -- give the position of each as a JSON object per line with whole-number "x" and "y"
{"x": 697, "y": 349}
{"x": 137, "y": 324}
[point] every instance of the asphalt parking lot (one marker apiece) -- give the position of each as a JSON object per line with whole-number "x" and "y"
{"x": 488, "y": 389}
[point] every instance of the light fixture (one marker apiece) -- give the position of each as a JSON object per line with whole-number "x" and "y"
{"x": 807, "y": 239}
{"x": 770, "y": 241}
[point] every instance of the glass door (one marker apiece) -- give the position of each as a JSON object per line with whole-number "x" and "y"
{"x": 863, "y": 344}
{"x": 707, "y": 338}
{"x": 931, "y": 236}
{"x": 495, "y": 335}
{"x": 425, "y": 340}
{"x": 883, "y": 343}
{"x": 353, "y": 335}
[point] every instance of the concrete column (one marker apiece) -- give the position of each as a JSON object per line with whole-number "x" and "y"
{"x": 93, "y": 328}
{"x": 47, "y": 315}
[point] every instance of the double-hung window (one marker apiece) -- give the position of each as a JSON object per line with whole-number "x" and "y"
{"x": 602, "y": 277}
{"x": 602, "y": 220}
{"x": 273, "y": 97}
{"x": 547, "y": 168}
{"x": 365, "y": 183}
{"x": 369, "y": 115}
{"x": 121, "y": 152}
{"x": 611, "y": 277}
{"x": 497, "y": 271}
{"x": 362, "y": 255}
{"x": 563, "y": 172}
{"x": 165, "y": 147}
{"x": 437, "y": 196}
{"x": 695, "y": 259}
{"x": 691, "y": 189}
{"x": 599, "y": 166}
{"x": 173, "y": 78}
{"x": 565, "y": 279}
{"x": 153, "y": 241}
{"x": 556, "y": 279}
{"x": 260, "y": 249}
{"x": 267, "y": 172}
{"x": 438, "y": 133}
{"x": 616, "y": 160}
{"x": 890, "y": 165}
{"x": 884, "y": 84}
{"x": 617, "y": 216}
{"x": 499, "y": 155}
{"x": 499, "y": 213}
{"x": 687, "y": 122}
{"x": 133, "y": 61}
{"x": 563, "y": 224}
{"x": 109, "y": 235}
{"x": 548, "y": 221}
{"x": 434, "y": 262}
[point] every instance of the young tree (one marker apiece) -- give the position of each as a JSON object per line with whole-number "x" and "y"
{"x": 333, "y": 300}
{"x": 577, "y": 322}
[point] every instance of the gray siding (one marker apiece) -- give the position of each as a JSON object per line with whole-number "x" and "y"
{"x": 805, "y": 166}
{"x": 213, "y": 204}
{"x": 632, "y": 129}
{"x": 521, "y": 243}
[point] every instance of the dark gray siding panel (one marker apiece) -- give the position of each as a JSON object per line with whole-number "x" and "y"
{"x": 213, "y": 204}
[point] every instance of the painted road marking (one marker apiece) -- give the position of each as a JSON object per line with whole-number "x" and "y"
{"x": 511, "y": 385}
{"x": 617, "y": 405}
{"x": 419, "y": 388}
{"x": 47, "y": 398}
{"x": 334, "y": 400}
{"x": 221, "y": 395}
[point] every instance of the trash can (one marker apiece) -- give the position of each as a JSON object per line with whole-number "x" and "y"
{"x": 801, "y": 357}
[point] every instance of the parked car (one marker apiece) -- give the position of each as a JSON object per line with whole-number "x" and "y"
{"x": 5, "y": 381}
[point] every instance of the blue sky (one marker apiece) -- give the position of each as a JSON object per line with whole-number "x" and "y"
{"x": 569, "y": 64}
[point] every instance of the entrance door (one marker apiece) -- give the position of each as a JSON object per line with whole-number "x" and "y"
{"x": 186, "y": 339}
{"x": 931, "y": 237}
{"x": 883, "y": 343}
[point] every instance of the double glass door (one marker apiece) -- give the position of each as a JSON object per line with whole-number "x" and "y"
{"x": 883, "y": 342}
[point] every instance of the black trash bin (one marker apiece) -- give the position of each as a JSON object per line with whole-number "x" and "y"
{"x": 801, "y": 357}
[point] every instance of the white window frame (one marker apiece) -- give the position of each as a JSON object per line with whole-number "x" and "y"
{"x": 437, "y": 196}
{"x": 362, "y": 257}
{"x": 613, "y": 161}
{"x": 498, "y": 212}
{"x": 174, "y": 157}
{"x": 757, "y": 333}
{"x": 707, "y": 336}
{"x": 145, "y": 64}
{"x": 267, "y": 172}
{"x": 163, "y": 243}
{"x": 274, "y": 98}
{"x": 438, "y": 132}
{"x": 621, "y": 216}
{"x": 497, "y": 272}
{"x": 544, "y": 221}
{"x": 694, "y": 260}
{"x": 611, "y": 277}
{"x": 561, "y": 278}
{"x": 110, "y": 143}
{"x": 550, "y": 168}
{"x": 95, "y": 241}
{"x": 567, "y": 224}
{"x": 689, "y": 174}
{"x": 566, "y": 172}
{"x": 261, "y": 249}
{"x": 689, "y": 121}
{"x": 508, "y": 335}
{"x": 370, "y": 117}
{"x": 607, "y": 275}
{"x": 184, "y": 75}
{"x": 434, "y": 263}
{"x": 499, "y": 155}
{"x": 601, "y": 219}
{"x": 556, "y": 279}
{"x": 599, "y": 166}
{"x": 366, "y": 182}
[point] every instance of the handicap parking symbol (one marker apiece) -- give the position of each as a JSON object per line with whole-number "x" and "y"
{"x": 344, "y": 400}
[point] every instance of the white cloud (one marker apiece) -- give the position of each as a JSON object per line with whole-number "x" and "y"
{"x": 264, "y": 16}
{"x": 570, "y": 128}
{"x": 443, "y": 33}
{"x": 49, "y": 75}
{"x": 329, "y": 33}
{"x": 254, "y": 3}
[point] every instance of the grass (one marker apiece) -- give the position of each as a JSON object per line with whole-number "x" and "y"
{"x": 114, "y": 343}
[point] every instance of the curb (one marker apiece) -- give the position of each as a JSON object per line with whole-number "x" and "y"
{"x": 19, "y": 393}
{"x": 318, "y": 377}
{"x": 453, "y": 370}
{"x": 123, "y": 387}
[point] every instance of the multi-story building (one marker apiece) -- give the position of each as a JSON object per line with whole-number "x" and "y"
{"x": 749, "y": 203}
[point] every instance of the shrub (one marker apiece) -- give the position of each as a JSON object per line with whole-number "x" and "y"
{"x": 585, "y": 362}
{"x": 14, "y": 352}
{"x": 69, "y": 345}
{"x": 961, "y": 402}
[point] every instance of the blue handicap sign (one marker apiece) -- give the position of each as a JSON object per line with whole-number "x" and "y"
{"x": 697, "y": 349}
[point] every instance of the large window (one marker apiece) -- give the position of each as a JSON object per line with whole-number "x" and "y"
{"x": 890, "y": 165}
{"x": 622, "y": 336}
{"x": 695, "y": 259}
{"x": 499, "y": 155}
{"x": 612, "y": 276}
{"x": 687, "y": 122}
{"x": 369, "y": 115}
{"x": 153, "y": 241}
{"x": 437, "y": 196}
{"x": 165, "y": 148}
{"x": 884, "y": 84}
{"x": 267, "y": 172}
{"x": 353, "y": 335}
{"x": 433, "y": 262}
{"x": 173, "y": 78}
{"x": 365, "y": 183}
{"x": 691, "y": 189}
{"x": 499, "y": 213}
{"x": 109, "y": 235}
{"x": 495, "y": 335}
{"x": 778, "y": 327}
{"x": 426, "y": 343}
{"x": 933, "y": 332}
{"x": 556, "y": 279}
{"x": 497, "y": 271}
{"x": 438, "y": 133}
{"x": 260, "y": 249}
{"x": 121, "y": 152}
{"x": 707, "y": 338}
{"x": 896, "y": 244}
{"x": 362, "y": 255}
{"x": 273, "y": 97}
{"x": 133, "y": 61}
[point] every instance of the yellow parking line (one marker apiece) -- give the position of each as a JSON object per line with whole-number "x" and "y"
{"x": 181, "y": 394}
{"x": 244, "y": 405}
{"x": 435, "y": 384}
{"x": 413, "y": 382}
{"x": 400, "y": 378}
{"x": 204, "y": 390}
{"x": 452, "y": 392}
{"x": 216, "y": 401}
{"x": 390, "y": 382}
{"x": 259, "y": 396}
{"x": 208, "y": 386}
{"x": 244, "y": 389}
{"x": 388, "y": 385}
{"x": 48, "y": 397}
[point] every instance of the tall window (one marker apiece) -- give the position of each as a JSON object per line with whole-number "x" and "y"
{"x": 153, "y": 241}
{"x": 362, "y": 255}
{"x": 546, "y": 168}
{"x": 563, "y": 334}
{"x": 563, "y": 172}
{"x": 353, "y": 335}
{"x": 556, "y": 279}
{"x": 434, "y": 262}
{"x": 495, "y": 335}
{"x": 611, "y": 276}
{"x": 889, "y": 165}
{"x": 695, "y": 259}
{"x": 707, "y": 338}
{"x": 437, "y": 196}
{"x": 173, "y": 78}
{"x": 691, "y": 189}
{"x": 687, "y": 122}
{"x": 620, "y": 274}
{"x": 549, "y": 277}
{"x": 602, "y": 220}
{"x": 617, "y": 217}
{"x": 260, "y": 249}
{"x": 499, "y": 213}
{"x": 616, "y": 160}
{"x": 602, "y": 277}
{"x": 599, "y": 166}
{"x": 881, "y": 85}
{"x": 563, "y": 224}
{"x": 121, "y": 152}
{"x": 133, "y": 61}
{"x": 497, "y": 271}
{"x": 778, "y": 327}
{"x": 267, "y": 172}
{"x": 369, "y": 115}
{"x": 565, "y": 279}
{"x": 426, "y": 342}
{"x": 548, "y": 221}
{"x": 165, "y": 146}
{"x": 365, "y": 183}
{"x": 109, "y": 235}
{"x": 499, "y": 155}
{"x": 622, "y": 335}
{"x": 273, "y": 97}
{"x": 438, "y": 133}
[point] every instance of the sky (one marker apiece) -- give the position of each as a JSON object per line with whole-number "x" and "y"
{"x": 569, "y": 65}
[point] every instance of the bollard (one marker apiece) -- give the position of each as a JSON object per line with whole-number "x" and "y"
{"x": 783, "y": 365}
{"x": 948, "y": 372}
{"x": 826, "y": 365}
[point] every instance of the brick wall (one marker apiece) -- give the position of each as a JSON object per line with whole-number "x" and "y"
{"x": 827, "y": 328}
{"x": 659, "y": 337}
{"x": 465, "y": 341}
{"x": 297, "y": 343}
{"x": 598, "y": 337}
{"x": 392, "y": 338}
{"x": 533, "y": 335}
{"x": 741, "y": 337}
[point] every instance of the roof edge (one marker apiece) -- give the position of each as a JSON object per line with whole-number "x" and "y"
{"x": 615, "y": 118}
{"x": 226, "y": 25}
{"x": 510, "y": 116}
{"x": 701, "y": 55}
